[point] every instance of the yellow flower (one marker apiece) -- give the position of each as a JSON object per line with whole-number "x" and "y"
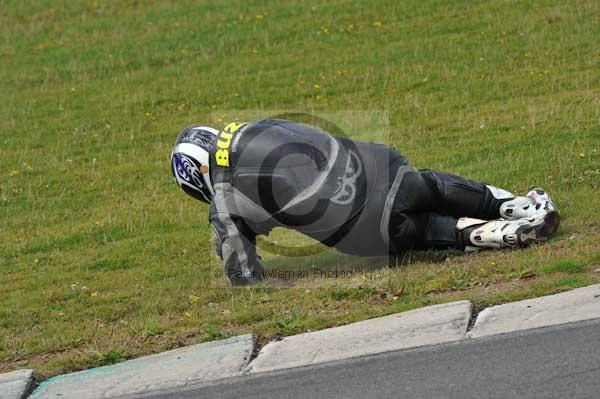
{"x": 255, "y": 51}
{"x": 188, "y": 314}
{"x": 581, "y": 155}
{"x": 14, "y": 172}
{"x": 317, "y": 86}
{"x": 377, "y": 24}
{"x": 94, "y": 294}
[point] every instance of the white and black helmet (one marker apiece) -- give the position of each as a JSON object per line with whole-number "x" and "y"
{"x": 190, "y": 161}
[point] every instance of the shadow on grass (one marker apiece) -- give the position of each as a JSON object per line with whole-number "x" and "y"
{"x": 331, "y": 264}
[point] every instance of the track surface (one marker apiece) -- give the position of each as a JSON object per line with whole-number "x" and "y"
{"x": 556, "y": 362}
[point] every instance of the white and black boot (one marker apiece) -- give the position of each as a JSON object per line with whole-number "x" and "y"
{"x": 535, "y": 202}
{"x": 477, "y": 234}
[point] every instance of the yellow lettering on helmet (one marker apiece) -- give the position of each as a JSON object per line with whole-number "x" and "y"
{"x": 224, "y": 141}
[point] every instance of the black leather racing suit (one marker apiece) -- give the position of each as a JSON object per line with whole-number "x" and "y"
{"x": 361, "y": 198}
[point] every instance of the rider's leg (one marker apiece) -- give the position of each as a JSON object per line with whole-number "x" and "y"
{"x": 447, "y": 194}
{"x": 428, "y": 230}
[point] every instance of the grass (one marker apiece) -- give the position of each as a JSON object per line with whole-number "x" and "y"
{"x": 562, "y": 267}
{"x": 102, "y": 258}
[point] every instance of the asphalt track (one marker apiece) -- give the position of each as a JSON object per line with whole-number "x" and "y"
{"x": 554, "y": 362}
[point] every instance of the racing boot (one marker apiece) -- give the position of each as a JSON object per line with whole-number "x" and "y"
{"x": 535, "y": 202}
{"x": 519, "y": 233}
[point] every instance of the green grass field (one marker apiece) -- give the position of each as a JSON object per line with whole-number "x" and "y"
{"x": 103, "y": 258}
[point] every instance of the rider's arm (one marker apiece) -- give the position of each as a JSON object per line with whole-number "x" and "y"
{"x": 236, "y": 245}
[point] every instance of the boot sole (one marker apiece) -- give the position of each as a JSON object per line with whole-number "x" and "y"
{"x": 541, "y": 232}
